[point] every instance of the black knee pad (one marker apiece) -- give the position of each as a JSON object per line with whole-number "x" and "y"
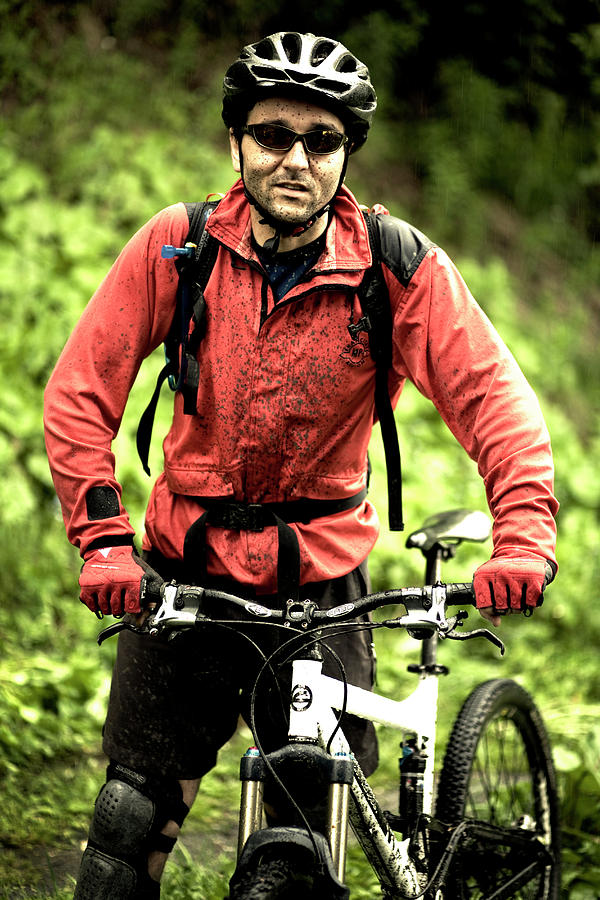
{"x": 130, "y": 811}
{"x": 103, "y": 876}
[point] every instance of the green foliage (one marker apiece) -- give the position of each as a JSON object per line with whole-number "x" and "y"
{"x": 110, "y": 111}
{"x": 576, "y": 742}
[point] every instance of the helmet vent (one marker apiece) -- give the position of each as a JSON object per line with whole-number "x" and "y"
{"x": 301, "y": 77}
{"x": 292, "y": 46}
{"x": 327, "y": 84}
{"x": 347, "y": 63}
{"x": 265, "y": 49}
{"x": 269, "y": 73}
{"x": 321, "y": 51}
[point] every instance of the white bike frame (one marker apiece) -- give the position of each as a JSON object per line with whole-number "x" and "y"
{"x": 313, "y": 699}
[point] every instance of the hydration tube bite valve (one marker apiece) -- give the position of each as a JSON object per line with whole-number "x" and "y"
{"x": 170, "y": 252}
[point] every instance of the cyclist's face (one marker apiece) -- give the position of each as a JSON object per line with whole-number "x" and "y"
{"x": 290, "y": 184}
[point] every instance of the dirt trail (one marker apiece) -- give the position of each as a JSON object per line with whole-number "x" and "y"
{"x": 59, "y": 864}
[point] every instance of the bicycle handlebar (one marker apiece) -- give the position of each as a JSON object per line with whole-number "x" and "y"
{"x": 180, "y": 607}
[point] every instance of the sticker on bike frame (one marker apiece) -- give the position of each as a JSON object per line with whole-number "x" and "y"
{"x": 301, "y": 697}
{"x": 257, "y": 610}
{"x": 340, "y": 610}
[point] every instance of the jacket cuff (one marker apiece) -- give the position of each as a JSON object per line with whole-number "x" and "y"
{"x": 109, "y": 540}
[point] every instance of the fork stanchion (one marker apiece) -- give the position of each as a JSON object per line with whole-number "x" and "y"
{"x": 252, "y": 776}
{"x": 337, "y": 812}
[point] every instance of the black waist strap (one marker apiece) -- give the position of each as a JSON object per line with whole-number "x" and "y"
{"x": 240, "y": 516}
{"x": 221, "y": 512}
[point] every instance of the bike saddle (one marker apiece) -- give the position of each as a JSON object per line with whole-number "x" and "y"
{"x": 451, "y": 528}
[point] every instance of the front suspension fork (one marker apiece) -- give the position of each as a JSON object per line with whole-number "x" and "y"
{"x": 253, "y": 773}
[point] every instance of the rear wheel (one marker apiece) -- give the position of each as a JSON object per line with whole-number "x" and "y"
{"x": 498, "y": 770}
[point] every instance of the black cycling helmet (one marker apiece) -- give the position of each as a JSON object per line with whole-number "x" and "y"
{"x": 318, "y": 69}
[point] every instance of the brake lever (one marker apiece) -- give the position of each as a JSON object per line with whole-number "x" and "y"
{"x": 116, "y": 627}
{"x": 165, "y": 608}
{"x": 475, "y": 633}
{"x": 111, "y": 630}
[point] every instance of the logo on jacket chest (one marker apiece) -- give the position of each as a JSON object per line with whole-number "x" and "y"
{"x": 356, "y": 352}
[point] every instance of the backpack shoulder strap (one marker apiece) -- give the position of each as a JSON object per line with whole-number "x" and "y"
{"x": 377, "y": 321}
{"x": 194, "y": 265}
{"x": 194, "y": 272}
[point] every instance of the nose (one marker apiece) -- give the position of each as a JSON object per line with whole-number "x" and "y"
{"x": 296, "y": 155}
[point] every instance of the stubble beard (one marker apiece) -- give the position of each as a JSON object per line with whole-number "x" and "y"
{"x": 288, "y": 212}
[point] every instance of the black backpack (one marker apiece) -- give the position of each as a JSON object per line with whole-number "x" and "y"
{"x": 194, "y": 263}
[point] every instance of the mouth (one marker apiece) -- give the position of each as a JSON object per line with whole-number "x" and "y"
{"x": 292, "y": 187}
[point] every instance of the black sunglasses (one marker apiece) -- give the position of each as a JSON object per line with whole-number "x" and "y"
{"x": 279, "y": 138}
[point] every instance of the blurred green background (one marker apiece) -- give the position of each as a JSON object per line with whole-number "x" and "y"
{"x": 487, "y": 139}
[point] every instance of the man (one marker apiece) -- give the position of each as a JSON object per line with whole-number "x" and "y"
{"x": 283, "y": 417}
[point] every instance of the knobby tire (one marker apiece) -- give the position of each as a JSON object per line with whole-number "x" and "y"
{"x": 498, "y": 769}
{"x": 275, "y": 878}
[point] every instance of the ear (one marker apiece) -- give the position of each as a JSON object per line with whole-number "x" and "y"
{"x": 234, "y": 149}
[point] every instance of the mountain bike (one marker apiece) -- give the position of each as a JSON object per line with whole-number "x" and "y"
{"x": 493, "y": 830}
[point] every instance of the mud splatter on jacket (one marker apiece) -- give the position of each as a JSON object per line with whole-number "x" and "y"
{"x": 285, "y": 403}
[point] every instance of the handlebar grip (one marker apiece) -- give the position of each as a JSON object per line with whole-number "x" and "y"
{"x": 548, "y": 576}
{"x": 460, "y": 593}
{"x": 151, "y": 591}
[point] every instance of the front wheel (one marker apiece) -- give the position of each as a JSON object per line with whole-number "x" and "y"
{"x": 498, "y": 771}
{"x": 274, "y": 878}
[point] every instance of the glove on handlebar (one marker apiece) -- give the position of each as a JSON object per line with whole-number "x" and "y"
{"x": 511, "y": 583}
{"x": 115, "y": 580}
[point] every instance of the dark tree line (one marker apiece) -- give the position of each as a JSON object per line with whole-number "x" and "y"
{"x": 515, "y": 43}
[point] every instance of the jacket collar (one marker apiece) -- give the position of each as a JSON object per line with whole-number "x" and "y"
{"x": 347, "y": 243}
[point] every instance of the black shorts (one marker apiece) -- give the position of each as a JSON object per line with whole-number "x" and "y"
{"x": 174, "y": 704}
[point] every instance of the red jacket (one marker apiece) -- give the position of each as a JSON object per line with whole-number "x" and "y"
{"x": 285, "y": 403}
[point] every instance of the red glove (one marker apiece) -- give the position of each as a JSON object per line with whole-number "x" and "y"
{"x": 114, "y": 580}
{"x": 511, "y": 583}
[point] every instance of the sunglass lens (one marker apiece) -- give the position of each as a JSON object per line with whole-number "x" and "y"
{"x": 274, "y": 137}
{"x": 323, "y": 141}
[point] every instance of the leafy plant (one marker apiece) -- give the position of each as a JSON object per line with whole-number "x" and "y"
{"x": 576, "y": 746}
